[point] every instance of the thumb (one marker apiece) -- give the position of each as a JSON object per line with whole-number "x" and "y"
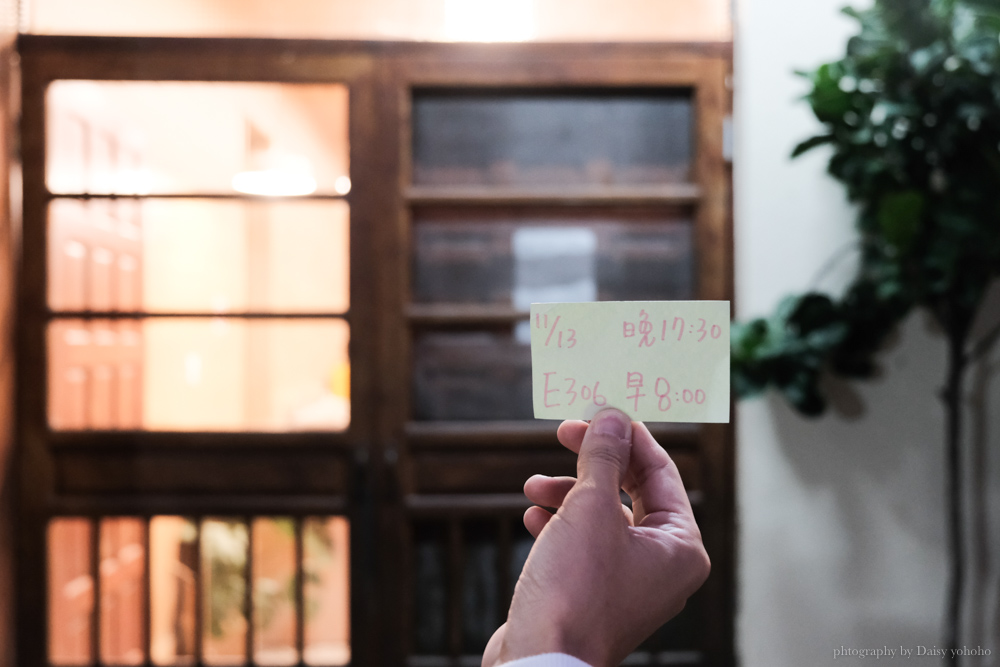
{"x": 604, "y": 454}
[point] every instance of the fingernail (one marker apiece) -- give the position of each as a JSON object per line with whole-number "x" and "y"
{"x": 611, "y": 422}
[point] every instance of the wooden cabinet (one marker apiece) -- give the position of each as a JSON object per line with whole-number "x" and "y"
{"x": 482, "y": 178}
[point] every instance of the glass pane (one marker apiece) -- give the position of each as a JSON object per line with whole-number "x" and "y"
{"x": 430, "y": 589}
{"x": 471, "y": 375}
{"x": 521, "y": 543}
{"x": 128, "y": 137}
{"x": 224, "y": 545}
{"x": 193, "y": 374}
{"x": 193, "y": 255}
{"x": 71, "y": 591}
{"x": 480, "y": 585}
{"x": 173, "y": 572}
{"x": 481, "y": 256}
{"x": 552, "y": 138}
{"x": 122, "y": 573}
{"x": 274, "y": 591}
{"x": 327, "y": 590}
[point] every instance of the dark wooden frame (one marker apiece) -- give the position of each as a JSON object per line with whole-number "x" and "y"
{"x": 705, "y": 450}
{"x": 369, "y": 473}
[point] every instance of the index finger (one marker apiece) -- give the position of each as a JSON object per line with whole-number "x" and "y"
{"x": 658, "y": 484}
{"x": 570, "y": 434}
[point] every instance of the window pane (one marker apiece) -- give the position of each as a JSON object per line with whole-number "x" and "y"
{"x": 173, "y": 575}
{"x": 471, "y": 375}
{"x": 122, "y": 573}
{"x": 480, "y": 585}
{"x": 274, "y": 591}
{"x": 430, "y": 588}
{"x": 179, "y": 137}
{"x": 192, "y": 374}
{"x": 224, "y": 545}
{"x": 326, "y": 568}
{"x": 481, "y": 256}
{"x": 193, "y": 255}
{"x": 71, "y": 591}
{"x": 552, "y": 138}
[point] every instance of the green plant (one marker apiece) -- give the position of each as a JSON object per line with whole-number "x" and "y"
{"x": 912, "y": 115}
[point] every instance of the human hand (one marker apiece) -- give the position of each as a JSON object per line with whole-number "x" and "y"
{"x": 601, "y": 578}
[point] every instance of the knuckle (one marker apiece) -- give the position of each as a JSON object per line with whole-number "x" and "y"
{"x": 604, "y": 455}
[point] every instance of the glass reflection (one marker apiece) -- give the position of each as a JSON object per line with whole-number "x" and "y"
{"x": 122, "y": 571}
{"x": 551, "y": 138}
{"x": 224, "y": 545}
{"x": 326, "y": 568}
{"x": 173, "y": 569}
{"x": 71, "y": 591}
{"x": 273, "y": 541}
{"x": 483, "y": 256}
{"x": 199, "y": 374}
{"x": 142, "y": 137}
{"x": 190, "y": 256}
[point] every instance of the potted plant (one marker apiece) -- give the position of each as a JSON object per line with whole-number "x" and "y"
{"x": 912, "y": 114}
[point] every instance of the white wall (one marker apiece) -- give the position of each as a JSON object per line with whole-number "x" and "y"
{"x": 841, "y": 519}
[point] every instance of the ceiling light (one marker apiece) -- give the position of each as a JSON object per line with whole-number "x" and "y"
{"x": 285, "y": 176}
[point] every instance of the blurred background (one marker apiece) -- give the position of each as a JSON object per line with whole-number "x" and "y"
{"x": 272, "y": 402}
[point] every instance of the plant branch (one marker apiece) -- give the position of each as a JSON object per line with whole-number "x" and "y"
{"x": 983, "y": 345}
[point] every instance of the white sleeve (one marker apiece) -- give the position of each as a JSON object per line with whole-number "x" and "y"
{"x": 547, "y": 660}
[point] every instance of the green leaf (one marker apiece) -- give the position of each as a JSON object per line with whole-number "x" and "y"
{"x": 899, "y": 217}
{"x": 828, "y": 101}
{"x": 983, "y": 6}
{"x": 811, "y": 143}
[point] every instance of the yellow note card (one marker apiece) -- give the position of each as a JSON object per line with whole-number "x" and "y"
{"x": 657, "y": 361}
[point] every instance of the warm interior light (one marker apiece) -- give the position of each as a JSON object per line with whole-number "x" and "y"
{"x": 489, "y": 21}
{"x": 274, "y": 183}
{"x": 284, "y": 176}
{"x": 342, "y": 185}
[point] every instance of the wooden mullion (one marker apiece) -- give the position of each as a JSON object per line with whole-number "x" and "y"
{"x": 95, "y": 575}
{"x": 234, "y": 196}
{"x": 199, "y": 594}
{"x": 194, "y": 314}
{"x": 457, "y": 314}
{"x": 300, "y": 599}
{"x": 484, "y": 504}
{"x": 137, "y": 442}
{"x": 248, "y": 611}
{"x": 147, "y": 593}
{"x": 181, "y": 504}
{"x": 671, "y": 194}
{"x": 533, "y": 434}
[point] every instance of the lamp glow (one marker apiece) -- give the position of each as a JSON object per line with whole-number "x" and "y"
{"x": 342, "y": 185}
{"x": 489, "y": 20}
{"x": 274, "y": 183}
{"x": 280, "y": 176}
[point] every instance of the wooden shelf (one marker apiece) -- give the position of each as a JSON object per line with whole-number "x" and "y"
{"x": 465, "y": 503}
{"x": 459, "y": 504}
{"x": 458, "y": 314}
{"x": 673, "y": 193}
{"x": 224, "y": 442}
{"x": 521, "y": 434}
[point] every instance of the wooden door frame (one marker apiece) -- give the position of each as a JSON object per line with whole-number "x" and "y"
{"x": 364, "y": 471}
{"x": 702, "y": 68}
{"x": 139, "y": 473}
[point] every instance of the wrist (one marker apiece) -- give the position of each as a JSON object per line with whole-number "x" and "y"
{"x": 540, "y": 639}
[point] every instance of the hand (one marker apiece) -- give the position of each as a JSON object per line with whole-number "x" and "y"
{"x": 601, "y": 578}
